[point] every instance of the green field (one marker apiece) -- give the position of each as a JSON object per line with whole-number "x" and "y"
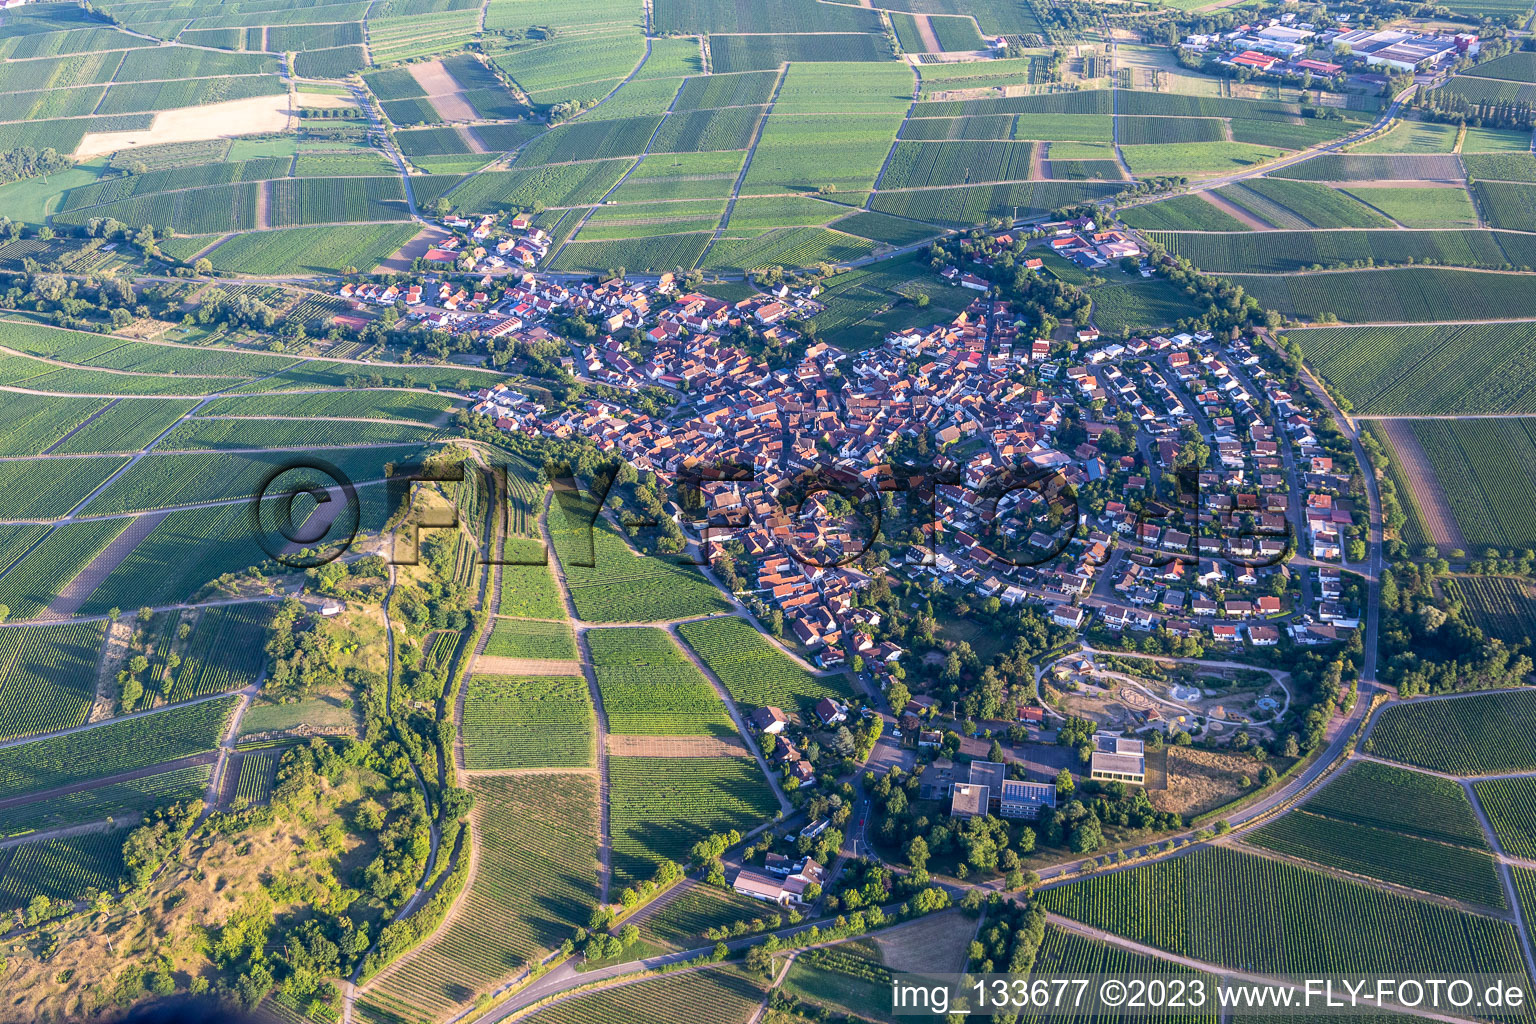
{"x": 527, "y": 722}
{"x": 33, "y": 582}
{"x": 1421, "y": 207}
{"x": 611, "y": 583}
{"x": 115, "y": 800}
{"x": 1500, "y": 606}
{"x": 1478, "y": 734}
{"x": 47, "y": 677}
{"x": 115, "y": 747}
{"x": 1311, "y": 204}
{"x": 1414, "y": 294}
{"x": 1231, "y": 908}
{"x": 649, "y": 688}
{"x": 1195, "y": 158}
{"x": 755, "y": 672}
{"x": 550, "y": 641}
{"x": 1451, "y": 871}
{"x": 226, "y": 651}
{"x": 1379, "y": 795}
{"x": 1488, "y": 471}
{"x": 1285, "y": 252}
{"x": 1439, "y": 370}
{"x": 536, "y": 873}
{"x": 1509, "y": 804}
{"x": 310, "y": 250}
{"x": 1181, "y": 213}
{"x": 661, "y": 806}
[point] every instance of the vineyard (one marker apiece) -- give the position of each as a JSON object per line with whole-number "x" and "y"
{"x": 1478, "y": 734}
{"x": 720, "y": 995}
{"x": 1500, "y": 607}
{"x": 550, "y": 641}
{"x": 1272, "y": 917}
{"x": 535, "y": 877}
{"x": 1182, "y": 213}
{"x": 1408, "y": 295}
{"x": 111, "y": 801}
{"x": 1284, "y": 252}
{"x": 47, "y": 677}
{"x": 684, "y": 921}
{"x": 1488, "y": 471}
{"x": 788, "y": 247}
{"x": 1452, "y": 871}
{"x": 528, "y": 591}
{"x": 660, "y": 806}
{"x": 38, "y": 489}
{"x": 755, "y": 672}
{"x": 650, "y": 689}
{"x": 1371, "y": 793}
{"x": 61, "y": 869}
{"x": 1427, "y": 370}
{"x": 610, "y": 583}
{"x": 32, "y": 584}
{"x": 227, "y": 650}
{"x": 114, "y": 747}
{"x": 298, "y": 201}
{"x": 257, "y": 774}
{"x": 523, "y": 722}
{"x": 922, "y": 164}
{"x": 1312, "y": 204}
{"x": 30, "y": 423}
{"x": 129, "y": 425}
{"x": 1511, "y": 807}
{"x": 316, "y": 250}
{"x": 1067, "y": 954}
{"x": 413, "y": 406}
{"x": 653, "y": 253}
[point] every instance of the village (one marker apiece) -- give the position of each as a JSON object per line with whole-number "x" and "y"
{"x": 1162, "y": 484}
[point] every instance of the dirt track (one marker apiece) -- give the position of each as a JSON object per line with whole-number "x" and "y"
{"x": 1234, "y": 211}
{"x": 1428, "y": 493}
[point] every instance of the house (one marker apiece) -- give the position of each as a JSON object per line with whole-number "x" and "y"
{"x": 769, "y": 721}
{"x": 784, "y": 891}
{"x": 1068, "y": 615}
{"x": 829, "y": 712}
{"x": 1118, "y": 759}
{"x": 1253, "y": 59}
{"x": 937, "y": 780}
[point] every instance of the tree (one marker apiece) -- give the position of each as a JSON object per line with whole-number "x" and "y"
{"x": 760, "y": 961}
{"x": 1064, "y": 784}
{"x": 1088, "y": 836}
{"x": 996, "y": 752}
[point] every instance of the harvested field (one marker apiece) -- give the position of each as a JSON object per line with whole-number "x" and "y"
{"x": 401, "y": 261}
{"x": 1428, "y": 493}
{"x": 442, "y": 91}
{"x": 675, "y": 746}
{"x": 255, "y": 116}
{"x": 526, "y": 667}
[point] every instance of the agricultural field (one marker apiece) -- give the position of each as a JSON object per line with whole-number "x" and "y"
{"x": 527, "y": 722}
{"x": 1509, "y": 804}
{"x": 1368, "y": 167}
{"x": 1284, "y": 252}
{"x": 115, "y": 747}
{"x": 160, "y": 481}
{"x": 660, "y": 806}
{"x": 1507, "y": 205}
{"x": 1498, "y": 605}
{"x": 237, "y": 435}
{"x": 226, "y": 651}
{"x": 30, "y": 424}
{"x": 1421, "y": 207}
{"x": 60, "y": 869}
{"x": 47, "y": 677}
{"x": 1451, "y": 871}
{"x": 1182, "y": 213}
{"x": 33, "y": 582}
{"x": 1138, "y": 303}
{"x": 1477, "y": 734}
{"x": 732, "y": 53}
{"x": 682, "y": 923}
{"x": 535, "y": 874}
{"x": 529, "y": 591}
{"x": 258, "y": 772}
{"x": 1312, "y": 204}
{"x": 1268, "y": 916}
{"x": 649, "y": 688}
{"x": 925, "y": 164}
{"x": 1415, "y": 804}
{"x": 791, "y": 155}
{"x": 785, "y": 247}
{"x": 611, "y": 583}
{"x": 755, "y": 672}
{"x": 115, "y": 800}
{"x": 1194, "y": 159}
{"x": 969, "y": 205}
{"x": 127, "y": 425}
{"x": 720, "y": 995}
{"x": 643, "y": 254}
{"x": 1488, "y": 471}
{"x": 310, "y": 250}
{"x": 37, "y": 489}
{"x": 1411, "y": 294}
{"x": 1501, "y": 166}
{"x": 551, "y": 641}
{"x": 411, "y": 406}
{"x": 1425, "y": 370}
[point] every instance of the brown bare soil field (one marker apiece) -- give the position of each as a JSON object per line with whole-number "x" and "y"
{"x": 442, "y": 91}
{"x": 489, "y": 666}
{"x": 674, "y": 746}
